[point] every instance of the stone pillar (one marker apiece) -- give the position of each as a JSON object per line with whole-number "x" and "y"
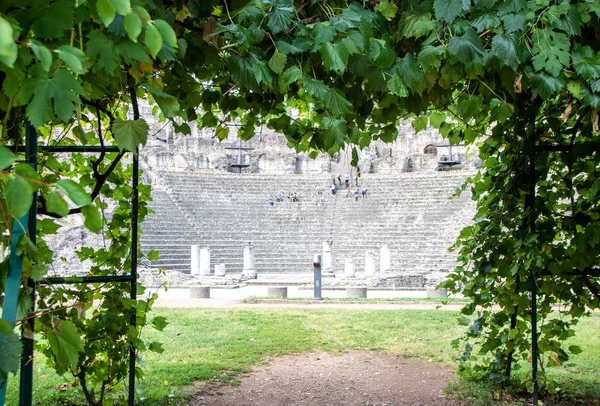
{"x": 204, "y": 261}
{"x": 200, "y": 292}
{"x": 349, "y": 270}
{"x": 385, "y": 259}
{"x": 249, "y": 271}
{"x": 439, "y": 293}
{"x": 326, "y": 266}
{"x": 370, "y": 263}
{"x": 195, "y": 260}
{"x": 220, "y": 269}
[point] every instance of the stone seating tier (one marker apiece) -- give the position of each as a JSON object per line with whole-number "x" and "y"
{"x": 410, "y": 212}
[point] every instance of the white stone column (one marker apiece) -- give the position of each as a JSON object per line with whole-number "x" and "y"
{"x": 370, "y": 263}
{"x": 249, "y": 271}
{"x": 349, "y": 269}
{"x": 195, "y": 260}
{"x": 204, "y": 261}
{"x": 220, "y": 269}
{"x": 326, "y": 266}
{"x": 385, "y": 259}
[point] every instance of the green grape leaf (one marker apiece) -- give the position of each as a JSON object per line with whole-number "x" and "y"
{"x": 409, "y": 70}
{"x": 397, "y": 86}
{"x": 99, "y": 45}
{"x": 315, "y": 87}
{"x": 19, "y": 196}
{"x": 501, "y": 111}
{"x": 436, "y": 119}
{"x": 262, "y": 73}
{"x": 514, "y": 22}
{"x": 485, "y": 22}
{"x": 448, "y": 10}
{"x": 73, "y": 57}
{"x": 65, "y": 343}
{"x": 354, "y": 42}
{"x": 335, "y": 57}
{"x": 336, "y": 131}
{"x": 381, "y": 54}
{"x": 121, "y": 6}
{"x": 153, "y": 39}
{"x": 277, "y": 62}
{"x": 416, "y": 24}
{"x": 56, "y": 95}
{"x": 575, "y": 349}
{"x": 420, "y": 123}
{"x": 286, "y": 48}
{"x": 280, "y": 16}
{"x": 8, "y": 47}
{"x": 586, "y": 62}
{"x": 6, "y": 157}
{"x": 26, "y": 171}
{"x": 106, "y": 11}
{"x": 42, "y": 53}
{"x": 504, "y": 48}
{"x": 133, "y": 26}
{"x": 167, "y": 32}
{"x": 153, "y": 255}
{"x": 388, "y": 10}
{"x": 550, "y": 51}
{"x": 129, "y": 134}
{"x": 467, "y": 48}
{"x": 53, "y": 19}
{"x": 322, "y": 33}
{"x": 93, "y": 219}
{"x": 544, "y": 84}
{"x": 10, "y": 350}
{"x": 168, "y": 104}
{"x": 81, "y": 135}
{"x": 74, "y": 192}
{"x": 335, "y": 101}
{"x": 431, "y": 57}
{"x": 56, "y": 204}
{"x": 242, "y": 72}
{"x": 159, "y": 323}
{"x": 131, "y": 52}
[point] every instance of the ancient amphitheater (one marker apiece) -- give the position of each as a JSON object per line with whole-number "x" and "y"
{"x": 214, "y": 195}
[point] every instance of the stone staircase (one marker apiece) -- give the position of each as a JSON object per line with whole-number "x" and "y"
{"x": 409, "y": 211}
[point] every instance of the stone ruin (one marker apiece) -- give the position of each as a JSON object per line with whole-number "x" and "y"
{"x": 210, "y": 211}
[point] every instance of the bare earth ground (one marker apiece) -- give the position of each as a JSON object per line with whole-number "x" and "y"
{"x": 319, "y": 378}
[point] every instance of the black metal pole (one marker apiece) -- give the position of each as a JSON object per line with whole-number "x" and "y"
{"x": 26, "y": 373}
{"x": 317, "y": 278}
{"x": 134, "y": 252}
{"x": 533, "y": 282}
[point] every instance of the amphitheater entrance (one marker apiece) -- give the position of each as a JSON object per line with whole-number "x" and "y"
{"x": 243, "y": 161}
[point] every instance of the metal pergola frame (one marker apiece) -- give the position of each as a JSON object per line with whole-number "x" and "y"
{"x": 15, "y": 262}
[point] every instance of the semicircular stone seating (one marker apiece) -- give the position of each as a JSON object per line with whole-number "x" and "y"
{"x": 411, "y": 212}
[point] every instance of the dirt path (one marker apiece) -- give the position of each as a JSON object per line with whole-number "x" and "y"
{"x": 320, "y": 378}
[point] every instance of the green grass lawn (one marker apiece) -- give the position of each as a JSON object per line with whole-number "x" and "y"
{"x": 218, "y": 344}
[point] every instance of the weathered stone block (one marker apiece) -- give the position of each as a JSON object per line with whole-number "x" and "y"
{"x": 278, "y": 291}
{"x": 357, "y": 292}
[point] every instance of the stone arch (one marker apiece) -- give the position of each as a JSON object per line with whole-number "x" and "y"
{"x": 430, "y": 149}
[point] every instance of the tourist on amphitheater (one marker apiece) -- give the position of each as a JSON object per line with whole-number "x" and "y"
{"x": 279, "y": 197}
{"x": 333, "y": 189}
{"x": 340, "y": 179}
{"x": 347, "y": 179}
{"x": 364, "y": 192}
{"x": 271, "y": 202}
